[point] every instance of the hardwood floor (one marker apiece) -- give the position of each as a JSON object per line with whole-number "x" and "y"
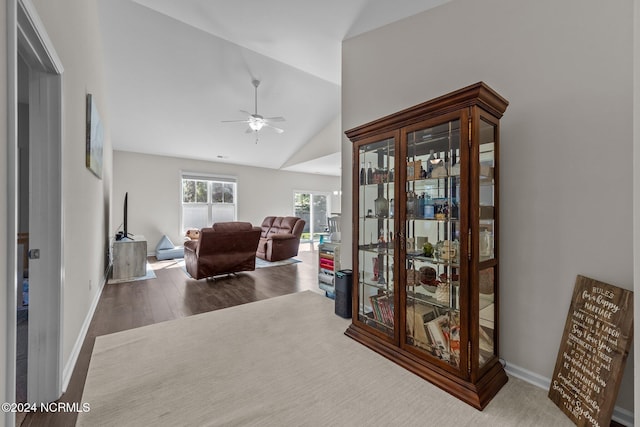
{"x": 170, "y": 296}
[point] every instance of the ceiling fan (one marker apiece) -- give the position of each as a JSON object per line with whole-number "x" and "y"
{"x": 256, "y": 121}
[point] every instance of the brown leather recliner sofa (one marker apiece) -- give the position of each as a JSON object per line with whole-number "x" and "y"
{"x": 280, "y": 237}
{"x": 224, "y": 248}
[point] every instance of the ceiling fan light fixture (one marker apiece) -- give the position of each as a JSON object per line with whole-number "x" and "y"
{"x": 256, "y": 125}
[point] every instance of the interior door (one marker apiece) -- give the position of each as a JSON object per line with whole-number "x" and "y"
{"x": 45, "y": 236}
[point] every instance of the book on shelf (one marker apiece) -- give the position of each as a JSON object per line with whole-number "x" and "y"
{"x": 439, "y": 333}
{"x": 417, "y": 316}
{"x": 382, "y": 307}
{"x": 375, "y": 309}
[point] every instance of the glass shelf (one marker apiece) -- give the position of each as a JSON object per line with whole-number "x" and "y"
{"x": 434, "y": 260}
{"x": 425, "y": 297}
{"x": 418, "y": 218}
{"x": 386, "y": 286}
{"x": 376, "y": 184}
{"x": 375, "y": 249}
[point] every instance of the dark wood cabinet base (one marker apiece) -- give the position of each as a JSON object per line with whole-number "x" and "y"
{"x": 477, "y": 394}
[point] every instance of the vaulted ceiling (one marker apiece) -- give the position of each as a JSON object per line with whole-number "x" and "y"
{"x": 175, "y": 70}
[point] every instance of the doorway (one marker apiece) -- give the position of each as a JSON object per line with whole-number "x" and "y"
{"x": 313, "y": 207}
{"x": 34, "y": 149}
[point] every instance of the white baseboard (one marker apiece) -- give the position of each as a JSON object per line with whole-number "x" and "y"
{"x": 620, "y": 415}
{"x": 75, "y": 352}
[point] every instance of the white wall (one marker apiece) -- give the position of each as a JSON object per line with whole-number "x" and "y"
{"x": 566, "y": 154}
{"x": 325, "y": 143}
{"x": 153, "y": 184}
{"x": 73, "y": 29}
{"x": 636, "y": 191}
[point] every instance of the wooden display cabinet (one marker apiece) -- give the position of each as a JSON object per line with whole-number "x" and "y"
{"x": 430, "y": 174}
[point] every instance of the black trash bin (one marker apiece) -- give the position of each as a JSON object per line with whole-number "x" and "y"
{"x": 344, "y": 283}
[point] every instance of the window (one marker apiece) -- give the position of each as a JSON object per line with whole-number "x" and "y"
{"x": 207, "y": 199}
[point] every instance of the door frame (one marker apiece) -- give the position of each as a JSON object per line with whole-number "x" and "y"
{"x": 27, "y": 37}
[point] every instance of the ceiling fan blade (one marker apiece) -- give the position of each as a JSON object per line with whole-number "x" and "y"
{"x": 234, "y": 121}
{"x": 245, "y": 112}
{"x": 278, "y": 130}
{"x": 274, "y": 119}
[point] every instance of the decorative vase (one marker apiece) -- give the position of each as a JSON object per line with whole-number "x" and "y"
{"x": 382, "y": 207}
{"x": 427, "y": 249}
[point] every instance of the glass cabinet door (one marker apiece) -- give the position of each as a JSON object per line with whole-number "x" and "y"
{"x": 376, "y": 237}
{"x": 486, "y": 241}
{"x": 432, "y": 237}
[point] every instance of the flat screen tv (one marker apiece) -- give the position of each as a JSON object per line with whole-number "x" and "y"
{"x": 126, "y": 197}
{"x": 124, "y": 234}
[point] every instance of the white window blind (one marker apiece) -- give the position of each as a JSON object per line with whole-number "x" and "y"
{"x": 207, "y": 199}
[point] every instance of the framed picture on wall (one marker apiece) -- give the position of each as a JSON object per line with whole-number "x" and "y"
{"x": 95, "y": 138}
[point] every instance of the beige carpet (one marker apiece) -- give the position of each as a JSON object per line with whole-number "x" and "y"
{"x": 279, "y": 362}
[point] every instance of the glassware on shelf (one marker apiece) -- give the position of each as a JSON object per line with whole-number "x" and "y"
{"x": 429, "y": 208}
{"x": 381, "y": 207}
{"x": 363, "y": 174}
{"x": 369, "y": 174}
{"x": 486, "y": 243}
{"x": 443, "y": 292}
{"x": 411, "y": 204}
{"x": 447, "y": 250}
{"x": 410, "y": 244}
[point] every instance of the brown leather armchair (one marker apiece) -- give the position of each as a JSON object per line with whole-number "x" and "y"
{"x": 280, "y": 237}
{"x": 225, "y": 248}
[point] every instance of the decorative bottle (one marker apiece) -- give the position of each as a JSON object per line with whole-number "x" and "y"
{"x": 421, "y": 202}
{"x": 411, "y": 204}
{"x": 363, "y": 176}
{"x": 369, "y": 174}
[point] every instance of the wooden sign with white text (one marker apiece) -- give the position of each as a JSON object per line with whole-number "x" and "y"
{"x": 593, "y": 352}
